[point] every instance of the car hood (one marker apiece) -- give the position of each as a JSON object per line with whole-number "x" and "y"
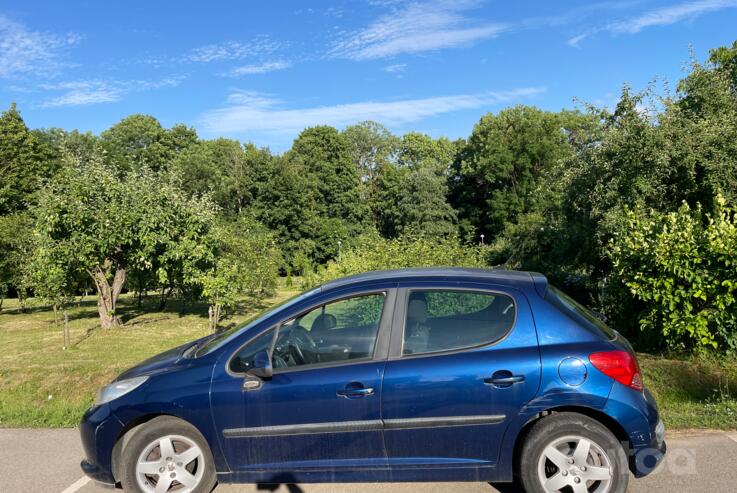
{"x": 162, "y": 362}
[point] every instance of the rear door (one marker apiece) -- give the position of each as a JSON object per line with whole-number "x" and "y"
{"x": 463, "y": 361}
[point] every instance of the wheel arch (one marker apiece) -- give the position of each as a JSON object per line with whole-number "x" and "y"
{"x": 607, "y": 421}
{"x": 127, "y": 431}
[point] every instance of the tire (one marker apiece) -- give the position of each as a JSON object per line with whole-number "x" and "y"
{"x": 143, "y": 466}
{"x": 564, "y": 437}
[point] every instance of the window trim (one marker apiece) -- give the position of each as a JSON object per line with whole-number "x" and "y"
{"x": 397, "y": 337}
{"x": 381, "y": 343}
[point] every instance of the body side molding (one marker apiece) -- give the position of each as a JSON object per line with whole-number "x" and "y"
{"x": 359, "y": 426}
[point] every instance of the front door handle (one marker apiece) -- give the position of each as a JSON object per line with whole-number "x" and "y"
{"x": 504, "y": 379}
{"x": 355, "y": 390}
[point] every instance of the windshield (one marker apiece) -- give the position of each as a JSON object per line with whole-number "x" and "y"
{"x": 221, "y": 338}
{"x": 578, "y": 312}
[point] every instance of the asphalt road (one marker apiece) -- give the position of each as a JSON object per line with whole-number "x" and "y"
{"x": 47, "y": 461}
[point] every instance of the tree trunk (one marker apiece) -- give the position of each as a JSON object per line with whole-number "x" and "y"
{"x": 107, "y": 294}
{"x": 214, "y": 315}
{"x": 165, "y": 293}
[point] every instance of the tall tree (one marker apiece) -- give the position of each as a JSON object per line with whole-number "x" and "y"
{"x": 230, "y": 172}
{"x": 139, "y": 141}
{"x": 325, "y": 155}
{"x": 23, "y": 162}
{"x": 499, "y": 167}
{"x": 372, "y": 147}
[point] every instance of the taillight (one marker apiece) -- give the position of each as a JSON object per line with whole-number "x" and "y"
{"x": 619, "y": 365}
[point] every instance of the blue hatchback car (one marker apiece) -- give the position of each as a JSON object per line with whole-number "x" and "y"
{"x": 404, "y": 375}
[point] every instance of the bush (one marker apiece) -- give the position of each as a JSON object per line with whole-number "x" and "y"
{"x": 372, "y": 252}
{"x": 682, "y": 265}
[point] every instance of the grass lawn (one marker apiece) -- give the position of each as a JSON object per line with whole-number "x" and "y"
{"x": 42, "y": 385}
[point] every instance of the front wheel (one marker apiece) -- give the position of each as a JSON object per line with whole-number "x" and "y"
{"x": 573, "y": 453}
{"x": 167, "y": 455}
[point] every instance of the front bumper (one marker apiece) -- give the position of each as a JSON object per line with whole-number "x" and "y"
{"x": 99, "y": 430}
{"x": 101, "y": 477}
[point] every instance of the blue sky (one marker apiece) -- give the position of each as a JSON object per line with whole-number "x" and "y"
{"x": 262, "y": 71}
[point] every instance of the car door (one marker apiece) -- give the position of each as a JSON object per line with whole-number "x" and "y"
{"x": 462, "y": 362}
{"x": 320, "y": 410}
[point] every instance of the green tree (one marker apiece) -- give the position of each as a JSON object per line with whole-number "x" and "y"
{"x": 93, "y": 220}
{"x": 417, "y": 150}
{"x": 325, "y": 155}
{"x": 139, "y": 141}
{"x": 246, "y": 260}
{"x": 232, "y": 174}
{"x": 23, "y": 162}
{"x": 372, "y": 147}
{"x": 501, "y": 164}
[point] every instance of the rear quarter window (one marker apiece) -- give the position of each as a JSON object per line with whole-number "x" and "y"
{"x": 578, "y": 313}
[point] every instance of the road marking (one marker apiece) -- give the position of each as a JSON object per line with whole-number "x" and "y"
{"x": 78, "y": 484}
{"x": 732, "y": 436}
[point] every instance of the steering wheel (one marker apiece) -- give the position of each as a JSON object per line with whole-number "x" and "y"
{"x": 299, "y": 338}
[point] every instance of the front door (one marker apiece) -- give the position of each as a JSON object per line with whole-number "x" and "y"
{"x": 462, "y": 363}
{"x": 321, "y": 408}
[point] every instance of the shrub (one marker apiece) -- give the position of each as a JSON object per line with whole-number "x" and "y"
{"x": 682, "y": 265}
{"x": 372, "y": 252}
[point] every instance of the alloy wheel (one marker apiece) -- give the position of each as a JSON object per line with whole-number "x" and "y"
{"x": 574, "y": 464}
{"x": 172, "y": 463}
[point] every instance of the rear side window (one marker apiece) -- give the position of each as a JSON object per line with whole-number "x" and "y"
{"x": 579, "y": 313}
{"x": 446, "y": 320}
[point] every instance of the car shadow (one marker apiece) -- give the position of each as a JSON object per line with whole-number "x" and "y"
{"x": 291, "y": 487}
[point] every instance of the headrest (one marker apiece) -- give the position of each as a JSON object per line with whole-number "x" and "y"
{"x": 417, "y": 311}
{"x": 323, "y": 322}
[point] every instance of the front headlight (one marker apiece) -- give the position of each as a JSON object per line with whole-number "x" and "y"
{"x": 117, "y": 389}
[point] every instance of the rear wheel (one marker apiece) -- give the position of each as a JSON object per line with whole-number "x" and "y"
{"x": 572, "y": 453}
{"x": 167, "y": 455}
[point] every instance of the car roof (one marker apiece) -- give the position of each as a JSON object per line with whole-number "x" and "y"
{"x": 495, "y": 275}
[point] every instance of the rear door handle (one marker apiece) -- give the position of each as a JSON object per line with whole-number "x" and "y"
{"x": 355, "y": 390}
{"x": 503, "y": 379}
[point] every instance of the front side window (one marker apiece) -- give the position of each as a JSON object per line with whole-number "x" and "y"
{"x": 338, "y": 331}
{"x": 446, "y": 320}
{"x": 243, "y": 360}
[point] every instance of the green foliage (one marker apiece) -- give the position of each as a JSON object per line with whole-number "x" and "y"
{"x": 93, "y": 220}
{"x": 372, "y": 147}
{"x": 372, "y": 252}
{"x": 22, "y": 162}
{"x": 500, "y": 166}
{"x": 245, "y": 260}
{"x": 139, "y": 141}
{"x": 229, "y": 172}
{"x": 682, "y": 265}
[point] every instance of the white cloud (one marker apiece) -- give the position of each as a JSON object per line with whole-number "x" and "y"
{"x": 233, "y": 50}
{"x": 257, "y": 112}
{"x": 670, "y": 15}
{"x": 87, "y": 92}
{"x": 260, "y": 68}
{"x": 576, "y": 40}
{"x": 663, "y": 16}
{"x": 25, "y": 52}
{"x": 415, "y": 28}
{"x": 396, "y": 68}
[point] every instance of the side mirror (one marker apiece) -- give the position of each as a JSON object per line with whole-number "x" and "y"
{"x": 261, "y": 366}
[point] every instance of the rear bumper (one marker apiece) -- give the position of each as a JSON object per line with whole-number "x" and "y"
{"x": 638, "y": 414}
